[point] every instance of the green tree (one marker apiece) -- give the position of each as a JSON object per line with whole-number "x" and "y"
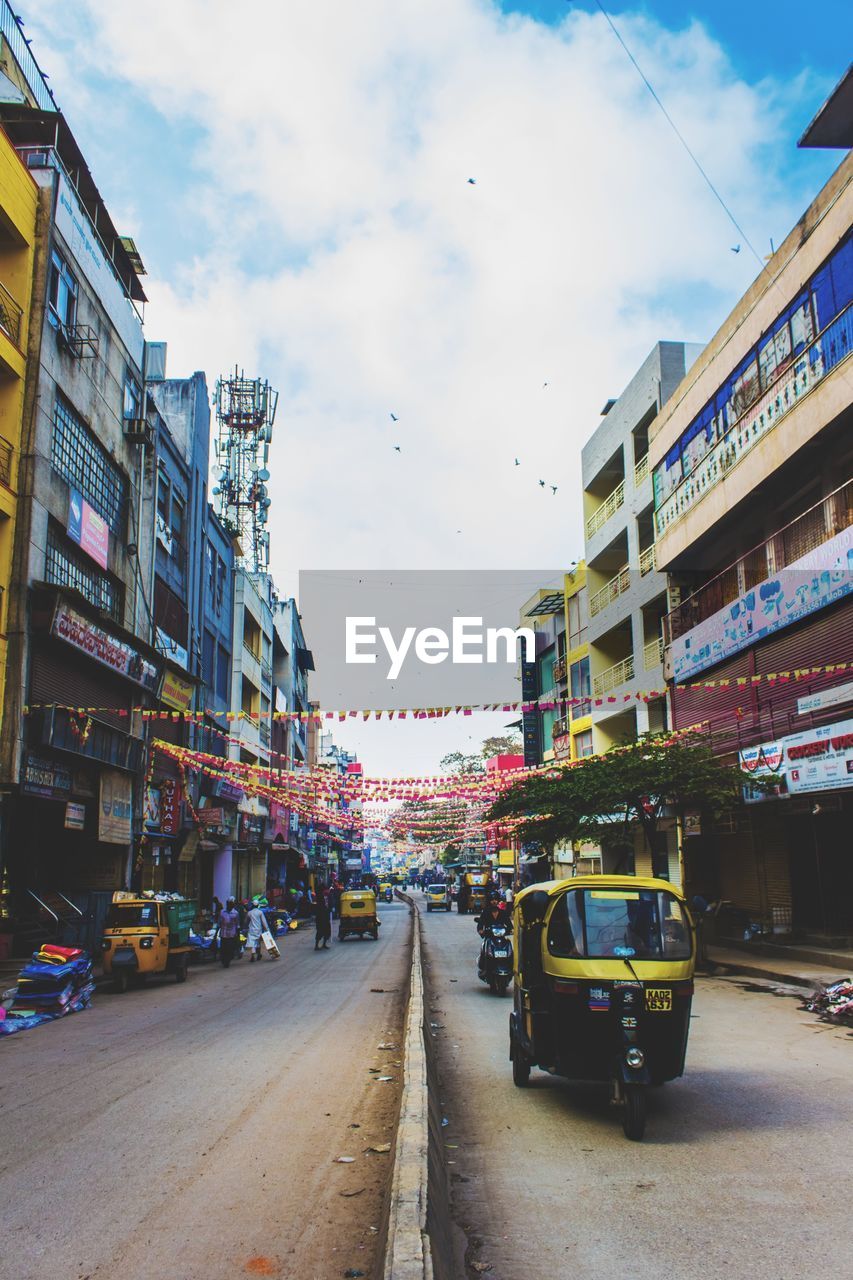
{"x": 600, "y": 798}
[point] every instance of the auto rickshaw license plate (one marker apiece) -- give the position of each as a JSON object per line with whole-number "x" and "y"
{"x": 658, "y": 999}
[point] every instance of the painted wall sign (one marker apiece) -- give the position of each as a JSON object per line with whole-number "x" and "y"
{"x": 170, "y": 807}
{"x": 811, "y": 583}
{"x": 89, "y": 530}
{"x": 74, "y": 629}
{"x": 116, "y": 807}
{"x": 814, "y": 760}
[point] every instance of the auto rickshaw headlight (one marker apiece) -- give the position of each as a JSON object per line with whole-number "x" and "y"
{"x": 105, "y": 944}
{"x": 635, "y": 1058}
{"x": 146, "y": 943}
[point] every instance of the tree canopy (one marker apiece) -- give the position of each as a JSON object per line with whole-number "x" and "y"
{"x": 600, "y": 798}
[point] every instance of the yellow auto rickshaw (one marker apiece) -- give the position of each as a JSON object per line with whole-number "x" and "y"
{"x": 143, "y": 936}
{"x": 386, "y": 890}
{"x": 603, "y": 985}
{"x": 437, "y": 897}
{"x": 358, "y": 914}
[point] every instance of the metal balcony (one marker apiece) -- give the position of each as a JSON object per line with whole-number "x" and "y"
{"x": 609, "y": 507}
{"x": 619, "y": 673}
{"x": 11, "y": 315}
{"x": 831, "y": 516}
{"x": 611, "y": 591}
{"x": 559, "y": 671}
{"x": 6, "y": 450}
{"x": 648, "y": 561}
{"x": 653, "y": 654}
{"x": 641, "y": 470}
{"x": 809, "y": 367}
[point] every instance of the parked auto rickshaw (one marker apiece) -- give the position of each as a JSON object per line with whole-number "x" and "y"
{"x": 603, "y": 985}
{"x": 143, "y": 936}
{"x": 438, "y": 897}
{"x": 386, "y": 890}
{"x": 358, "y": 914}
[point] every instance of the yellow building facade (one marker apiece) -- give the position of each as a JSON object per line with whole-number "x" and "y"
{"x": 18, "y": 210}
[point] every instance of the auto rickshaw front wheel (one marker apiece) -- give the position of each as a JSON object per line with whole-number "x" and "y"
{"x": 181, "y": 971}
{"x": 634, "y": 1111}
{"x": 121, "y": 981}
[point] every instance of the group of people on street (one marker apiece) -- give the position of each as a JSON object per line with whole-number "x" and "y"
{"x": 231, "y": 921}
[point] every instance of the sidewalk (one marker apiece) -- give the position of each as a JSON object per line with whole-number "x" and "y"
{"x": 780, "y": 968}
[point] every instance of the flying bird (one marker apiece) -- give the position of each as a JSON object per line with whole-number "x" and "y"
{"x": 735, "y": 248}
{"x": 473, "y": 182}
{"x": 398, "y": 449}
{"x": 394, "y": 418}
{"x": 553, "y": 488}
{"x": 544, "y": 385}
{"x": 542, "y": 484}
{"x": 517, "y": 463}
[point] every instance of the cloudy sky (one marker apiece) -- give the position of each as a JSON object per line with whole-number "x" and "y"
{"x": 296, "y": 178}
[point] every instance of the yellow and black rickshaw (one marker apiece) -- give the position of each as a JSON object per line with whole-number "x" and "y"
{"x": 358, "y": 914}
{"x": 603, "y": 985}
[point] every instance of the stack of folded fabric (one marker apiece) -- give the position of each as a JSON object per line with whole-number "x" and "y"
{"x": 58, "y": 980}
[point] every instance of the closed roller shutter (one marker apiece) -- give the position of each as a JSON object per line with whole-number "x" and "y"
{"x": 61, "y": 677}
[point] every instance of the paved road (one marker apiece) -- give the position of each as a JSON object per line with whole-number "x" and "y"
{"x": 190, "y": 1131}
{"x": 745, "y": 1171}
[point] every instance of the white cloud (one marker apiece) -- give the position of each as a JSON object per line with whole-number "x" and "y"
{"x": 337, "y": 141}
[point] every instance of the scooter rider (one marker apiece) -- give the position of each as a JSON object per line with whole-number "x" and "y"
{"x": 494, "y": 913}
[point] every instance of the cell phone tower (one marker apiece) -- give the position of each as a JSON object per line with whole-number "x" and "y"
{"x": 245, "y": 412}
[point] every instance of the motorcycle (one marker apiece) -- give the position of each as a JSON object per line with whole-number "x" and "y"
{"x": 495, "y": 963}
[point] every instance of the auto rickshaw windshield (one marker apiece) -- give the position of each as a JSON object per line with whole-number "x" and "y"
{"x": 131, "y": 915}
{"x": 640, "y": 924}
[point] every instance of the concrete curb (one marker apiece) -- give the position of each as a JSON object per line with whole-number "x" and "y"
{"x": 407, "y": 1255}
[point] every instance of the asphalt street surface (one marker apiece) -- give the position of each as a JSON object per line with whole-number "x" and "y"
{"x": 744, "y": 1173}
{"x": 192, "y": 1131}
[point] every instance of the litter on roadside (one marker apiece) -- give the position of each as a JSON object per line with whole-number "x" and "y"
{"x": 834, "y": 1003}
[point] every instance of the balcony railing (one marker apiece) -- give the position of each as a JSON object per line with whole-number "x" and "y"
{"x": 647, "y": 561}
{"x": 5, "y": 462}
{"x": 641, "y": 470}
{"x": 809, "y": 367}
{"x": 609, "y": 507}
{"x": 559, "y": 670}
{"x": 11, "y": 315}
{"x": 264, "y": 730}
{"x": 610, "y": 591}
{"x": 653, "y": 654}
{"x": 619, "y": 673}
{"x": 831, "y": 516}
{"x": 561, "y": 727}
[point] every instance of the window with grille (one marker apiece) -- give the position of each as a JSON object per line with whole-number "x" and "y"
{"x": 66, "y": 567}
{"x": 62, "y": 293}
{"x": 81, "y": 460}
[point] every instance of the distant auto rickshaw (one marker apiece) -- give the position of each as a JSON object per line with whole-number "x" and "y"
{"x": 358, "y": 914}
{"x": 386, "y": 890}
{"x": 438, "y": 897}
{"x": 603, "y": 985}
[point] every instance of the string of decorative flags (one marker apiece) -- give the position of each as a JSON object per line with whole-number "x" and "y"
{"x": 318, "y": 715}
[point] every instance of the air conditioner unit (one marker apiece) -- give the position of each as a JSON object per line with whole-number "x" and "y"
{"x": 138, "y": 431}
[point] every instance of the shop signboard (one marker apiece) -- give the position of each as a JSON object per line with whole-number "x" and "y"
{"x": 212, "y": 817}
{"x": 45, "y": 778}
{"x": 170, "y": 807}
{"x": 151, "y": 817}
{"x": 116, "y": 807}
{"x": 172, "y": 649}
{"x": 89, "y": 530}
{"x": 75, "y": 816}
{"x": 251, "y": 828}
{"x": 820, "y": 759}
{"x": 834, "y": 697}
{"x": 506, "y": 857}
{"x": 176, "y": 692}
{"x": 225, "y": 790}
{"x": 88, "y": 638}
{"x": 811, "y": 583}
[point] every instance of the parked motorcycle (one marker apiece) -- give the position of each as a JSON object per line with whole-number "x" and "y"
{"x": 495, "y": 963}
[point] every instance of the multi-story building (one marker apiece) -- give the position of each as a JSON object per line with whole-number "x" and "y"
{"x": 626, "y": 594}
{"x": 78, "y": 659}
{"x": 752, "y": 461}
{"x": 559, "y": 725}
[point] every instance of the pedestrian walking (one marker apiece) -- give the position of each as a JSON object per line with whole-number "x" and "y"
{"x": 228, "y": 927}
{"x": 256, "y": 925}
{"x": 322, "y": 923}
{"x": 333, "y": 898}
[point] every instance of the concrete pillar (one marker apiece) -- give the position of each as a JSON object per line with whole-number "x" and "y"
{"x": 223, "y": 872}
